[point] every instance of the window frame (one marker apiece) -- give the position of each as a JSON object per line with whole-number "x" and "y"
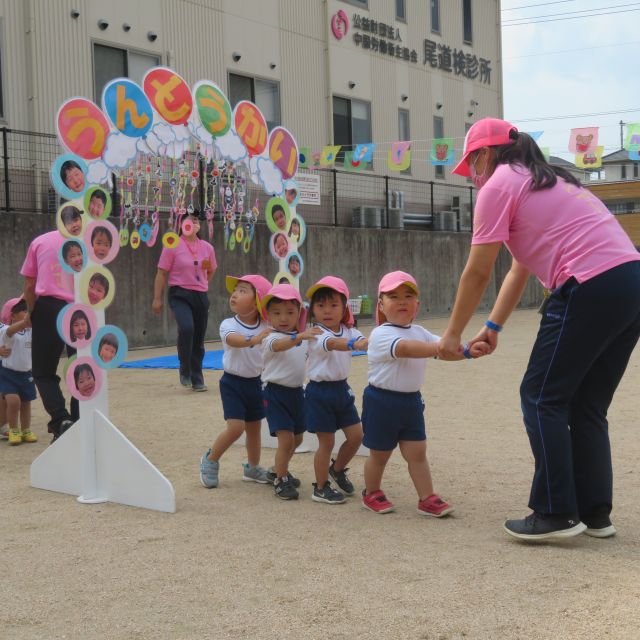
{"x": 127, "y": 50}
{"x": 3, "y": 111}
{"x": 435, "y": 4}
{"x": 276, "y": 83}
{"x": 407, "y": 137}
{"x": 466, "y": 8}
{"x": 363, "y": 4}
{"x": 439, "y": 169}
{"x": 352, "y": 143}
{"x": 404, "y": 17}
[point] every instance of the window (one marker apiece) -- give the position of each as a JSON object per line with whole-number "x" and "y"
{"x": 438, "y": 132}
{"x": 467, "y": 25}
{"x": 263, "y": 93}
{"x": 359, "y": 3}
{"x": 404, "y": 132}
{"x": 635, "y": 169}
{"x": 111, "y": 62}
{"x": 401, "y": 10}
{"x": 351, "y": 123}
{"x": 435, "y": 16}
{"x": 623, "y": 172}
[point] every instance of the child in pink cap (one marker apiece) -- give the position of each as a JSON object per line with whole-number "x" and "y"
{"x": 285, "y": 357}
{"x": 393, "y": 408}
{"x": 328, "y": 399}
{"x": 240, "y": 384}
{"x": 16, "y": 380}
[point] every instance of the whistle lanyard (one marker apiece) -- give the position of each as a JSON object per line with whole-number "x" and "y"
{"x": 194, "y": 256}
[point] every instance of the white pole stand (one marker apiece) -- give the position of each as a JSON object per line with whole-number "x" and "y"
{"x": 95, "y": 461}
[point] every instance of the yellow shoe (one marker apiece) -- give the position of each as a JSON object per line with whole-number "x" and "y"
{"x": 15, "y": 436}
{"x": 29, "y": 436}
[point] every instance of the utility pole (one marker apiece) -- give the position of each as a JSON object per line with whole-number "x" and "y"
{"x": 621, "y": 134}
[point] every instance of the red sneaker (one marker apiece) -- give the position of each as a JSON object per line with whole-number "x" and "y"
{"x": 376, "y": 502}
{"x": 434, "y": 506}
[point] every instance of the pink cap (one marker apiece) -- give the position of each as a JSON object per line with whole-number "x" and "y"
{"x": 5, "y": 314}
{"x": 284, "y": 292}
{"x": 488, "y": 132}
{"x": 391, "y": 281}
{"x": 258, "y": 282}
{"x": 339, "y": 285}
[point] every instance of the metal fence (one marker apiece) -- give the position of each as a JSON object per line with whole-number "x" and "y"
{"x": 359, "y": 199}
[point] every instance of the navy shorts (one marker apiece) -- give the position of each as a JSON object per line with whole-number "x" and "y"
{"x": 17, "y": 382}
{"x": 389, "y": 417}
{"x": 329, "y": 406}
{"x": 284, "y": 407}
{"x": 241, "y": 398}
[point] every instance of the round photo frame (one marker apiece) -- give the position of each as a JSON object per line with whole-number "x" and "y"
{"x": 78, "y": 325}
{"x": 68, "y": 255}
{"x": 282, "y": 277}
{"x": 110, "y": 346}
{"x": 97, "y": 287}
{"x": 84, "y": 378}
{"x": 279, "y": 245}
{"x": 291, "y": 198}
{"x": 97, "y": 203}
{"x": 278, "y": 220}
{"x": 74, "y": 169}
{"x": 102, "y": 241}
{"x": 295, "y": 272}
{"x": 70, "y": 219}
{"x": 297, "y": 231}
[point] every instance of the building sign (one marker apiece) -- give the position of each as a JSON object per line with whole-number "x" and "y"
{"x": 309, "y": 185}
{"x": 386, "y": 39}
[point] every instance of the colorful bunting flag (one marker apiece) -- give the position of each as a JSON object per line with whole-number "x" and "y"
{"x": 442, "y": 152}
{"x": 328, "y": 156}
{"x": 633, "y": 135}
{"x": 399, "y": 156}
{"x": 363, "y": 153}
{"x": 304, "y": 156}
{"x": 590, "y": 159}
{"x": 583, "y": 140}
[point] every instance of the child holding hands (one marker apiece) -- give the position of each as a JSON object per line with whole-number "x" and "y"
{"x": 240, "y": 384}
{"x": 393, "y": 408}
{"x": 328, "y": 400}
{"x": 285, "y": 357}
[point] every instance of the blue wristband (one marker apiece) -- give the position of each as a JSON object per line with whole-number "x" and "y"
{"x": 466, "y": 353}
{"x": 294, "y": 336}
{"x": 352, "y": 342}
{"x": 493, "y": 326}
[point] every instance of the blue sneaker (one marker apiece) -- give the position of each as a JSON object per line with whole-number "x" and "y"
{"x": 255, "y": 474}
{"x": 209, "y": 471}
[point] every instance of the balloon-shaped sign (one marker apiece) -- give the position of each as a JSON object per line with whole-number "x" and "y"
{"x": 169, "y": 95}
{"x": 251, "y": 127}
{"x": 283, "y": 152}
{"x": 213, "y": 108}
{"x": 127, "y": 107}
{"x": 82, "y": 128}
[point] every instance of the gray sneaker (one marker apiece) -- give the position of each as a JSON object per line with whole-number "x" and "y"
{"x": 199, "y": 386}
{"x": 185, "y": 381}
{"x": 209, "y": 471}
{"x": 255, "y": 474}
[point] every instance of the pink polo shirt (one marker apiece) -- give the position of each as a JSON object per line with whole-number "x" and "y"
{"x": 42, "y": 263}
{"x": 179, "y": 262}
{"x": 556, "y": 233}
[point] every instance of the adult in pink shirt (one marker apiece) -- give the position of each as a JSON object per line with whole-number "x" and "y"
{"x": 565, "y": 236}
{"x": 187, "y": 269}
{"x": 47, "y": 289}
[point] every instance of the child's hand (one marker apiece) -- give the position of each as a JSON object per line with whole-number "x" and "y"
{"x": 5, "y": 352}
{"x": 27, "y": 321}
{"x": 310, "y": 334}
{"x": 258, "y": 338}
{"x": 479, "y": 349}
{"x": 361, "y": 345}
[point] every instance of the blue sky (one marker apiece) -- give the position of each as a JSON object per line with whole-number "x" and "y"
{"x": 566, "y": 67}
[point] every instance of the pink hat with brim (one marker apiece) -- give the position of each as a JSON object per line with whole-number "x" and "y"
{"x": 258, "y": 282}
{"x": 5, "y": 314}
{"x": 488, "y": 132}
{"x": 339, "y": 285}
{"x": 392, "y": 281}
{"x": 285, "y": 292}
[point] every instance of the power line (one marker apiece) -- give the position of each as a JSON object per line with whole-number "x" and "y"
{"x": 568, "y": 13}
{"x": 548, "y": 53}
{"x": 542, "y": 4}
{"x": 579, "y": 115}
{"x": 592, "y": 15}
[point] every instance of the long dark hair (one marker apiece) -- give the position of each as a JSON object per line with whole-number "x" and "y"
{"x": 524, "y": 151}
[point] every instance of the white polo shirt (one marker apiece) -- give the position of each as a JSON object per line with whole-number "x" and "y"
{"x": 287, "y": 368}
{"x": 20, "y": 345}
{"x": 396, "y": 374}
{"x": 246, "y": 361}
{"x": 330, "y": 366}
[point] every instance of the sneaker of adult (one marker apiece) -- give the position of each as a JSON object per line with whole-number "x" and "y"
{"x": 272, "y": 476}
{"x": 255, "y": 474}
{"x": 29, "y": 436}
{"x": 15, "y": 436}
{"x": 376, "y": 501}
{"x": 4, "y": 432}
{"x": 598, "y": 523}
{"x": 341, "y": 479}
{"x": 541, "y": 526}
{"x": 199, "y": 386}
{"x": 185, "y": 381}
{"x": 65, "y": 425}
{"x": 209, "y": 471}
{"x": 434, "y": 506}
{"x": 284, "y": 489}
{"x": 327, "y": 494}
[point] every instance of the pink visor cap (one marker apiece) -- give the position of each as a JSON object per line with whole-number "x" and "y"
{"x": 5, "y": 314}
{"x": 392, "y": 281}
{"x": 285, "y": 292}
{"x": 339, "y": 285}
{"x": 259, "y": 283}
{"x": 488, "y": 132}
